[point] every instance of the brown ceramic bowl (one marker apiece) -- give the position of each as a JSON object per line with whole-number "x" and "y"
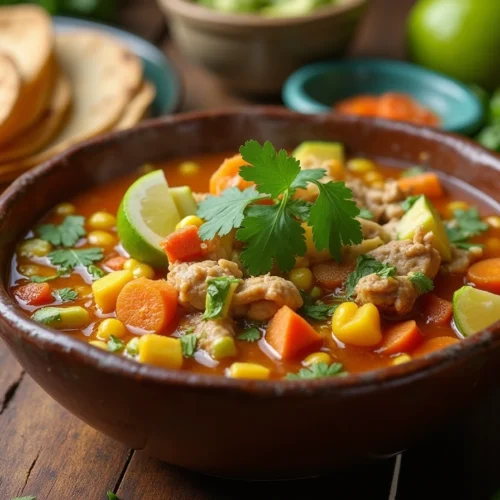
{"x": 233, "y": 427}
{"x": 253, "y": 53}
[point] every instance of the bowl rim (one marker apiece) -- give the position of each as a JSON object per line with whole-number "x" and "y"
{"x": 16, "y": 325}
{"x": 297, "y": 98}
{"x": 202, "y": 13}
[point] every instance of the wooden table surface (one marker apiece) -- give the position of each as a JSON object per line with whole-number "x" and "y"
{"x": 48, "y": 453}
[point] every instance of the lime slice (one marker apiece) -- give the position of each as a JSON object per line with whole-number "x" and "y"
{"x": 474, "y": 310}
{"x": 147, "y": 215}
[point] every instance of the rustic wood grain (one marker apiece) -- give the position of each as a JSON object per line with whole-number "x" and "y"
{"x": 11, "y": 376}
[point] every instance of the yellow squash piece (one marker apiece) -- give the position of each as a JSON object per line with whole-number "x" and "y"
{"x": 359, "y": 326}
{"x": 158, "y": 350}
{"x": 107, "y": 288}
{"x": 248, "y": 370}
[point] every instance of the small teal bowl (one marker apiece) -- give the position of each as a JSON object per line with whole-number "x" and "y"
{"x": 157, "y": 68}
{"x": 315, "y": 88}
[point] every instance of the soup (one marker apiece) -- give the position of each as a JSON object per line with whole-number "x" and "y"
{"x": 265, "y": 266}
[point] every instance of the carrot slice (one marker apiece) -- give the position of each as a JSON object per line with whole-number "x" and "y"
{"x": 427, "y": 184}
{"x": 485, "y": 274}
{"x": 363, "y": 105}
{"x": 35, "y": 294}
{"x": 436, "y": 310}
{"x": 401, "y": 338}
{"x": 183, "y": 245}
{"x": 115, "y": 263}
{"x": 227, "y": 175}
{"x": 432, "y": 345}
{"x": 290, "y": 334}
{"x": 331, "y": 274}
{"x": 147, "y": 305}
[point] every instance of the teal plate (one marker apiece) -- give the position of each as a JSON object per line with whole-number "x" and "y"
{"x": 315, "y": 88}
{"x": 157, "y": 68}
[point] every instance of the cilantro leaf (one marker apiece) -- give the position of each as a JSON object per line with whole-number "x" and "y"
{"x": 422, "y": 282}
{"x": 413, "y": 171}
{"x": 315, "y": 310}
{"x": 47, "y": 315}
{"x": 466, "y": 224}
{"x": 273, "y": 172}
{"x": 66, "y": 294}
{"x": 317, "y": 370}
{"x": 219, "y": 294}
{"x": 364, "y": 213}
{"x": 69, "y": 259}
{"x": 66, "y": 234}
{"x": 272, "y": 234}
{"x": 307, "y": 175}
{"x": 249, "y": 335}
{"x": 225, "y": 212}
{"x": 299, "y": 208}
{"x": 115, "y": 344}
{"x": 95, "y": 272}
{"x": 366, "y": 265}
{"x": 333, "y": 219}
{"x": 188, "y": 345}
{"x": 409, "y": 202}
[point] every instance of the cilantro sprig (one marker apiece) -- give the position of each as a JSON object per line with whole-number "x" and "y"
{"x": 422, "y": 282}
{"x": 317, "y": 370}
{"x": 251, "y": 334}
{"x": 315, "y": 310}
{"x": 189, "y": 344}
{"x": 366, "y": 265}
{"x": 465, "y": 225}
{"x": 66, "y": 294}
{"x": 65, "y": 234}
{"x": 273, "y": 232}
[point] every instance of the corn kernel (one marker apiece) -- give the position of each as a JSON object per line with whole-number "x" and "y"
{"x": 248, "y": 371}
{"x": 317, "y": 357}
{"x": 301, "y": 262}
{"x": 399, "y": 360}
{"x": 161, "y": 351}
{"x": 111, "y": 326}
{"x": 99, "y": 344}
{"x": 132, "y": 348}
{"x": 302, "y": 278}
{"x": 450, "y": 208}
{"x": 131, "y": 264}
{"x": 360, "y": 165}
{"x": 29, "y": 270}
{"x": 65, "y": 209}
{"x": 143, "y": 271}
{"x": 107, "y": 288}
{"x": 371, "y": 177}
{"x": 190, "y": 220}
{"x": 223, "y": 347}
{"x": 101, "y": 220}
{"x": 492, "y": 247}
{"x": 101, "y": 239}
{"x": 189, "y": 168}
{"x": 34, "y": 247}
{"x": 355, "y": 325}
{"x": 316, "y": 292}
{"x": 493, "y": 221}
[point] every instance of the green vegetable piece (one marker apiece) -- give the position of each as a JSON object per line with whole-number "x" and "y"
{"x": 68, "y": 259}
{"x": 466, "y": 224}
{"x": 34, "y": 247}
{"x": 223, "y": 347}
{"x": 317, "y": 370}
{"x": 422, "y": 282}
{"x": 66, "y": 294}
{"x": 323, "y": 151}
{"x": 62, "y": 318}
{"x": 250, "y": 335}
{"x": 315, "y": 310}
{"x": 423, "y": 214}
{"x": 366, "y": 265}
{"x": 188, "y": 344}
{"x": 115, "y": 344}
{"x": 132, "y": 348}
{"x": 489, "y": 137}
{"x": 66, "y": 234}
{"x": 184, "y": 200}
{"x": 219, "y": 296}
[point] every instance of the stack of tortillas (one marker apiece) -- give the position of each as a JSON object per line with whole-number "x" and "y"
{"x": 57, "y": 90}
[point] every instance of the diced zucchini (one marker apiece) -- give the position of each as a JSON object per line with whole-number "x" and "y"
{"x": 63, "y": 318}
{"x": 184, "y": 200}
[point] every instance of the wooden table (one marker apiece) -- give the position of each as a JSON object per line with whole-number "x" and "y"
{"x": 45, "y": 451}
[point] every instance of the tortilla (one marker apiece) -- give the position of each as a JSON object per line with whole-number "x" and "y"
{"x": 138, "y": 107}
{"x": 26, "y": 37}
{"x": 10, "y": 87}
{"x": 48, "y": 125}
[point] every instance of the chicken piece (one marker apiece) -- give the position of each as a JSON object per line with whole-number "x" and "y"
{"x": 189, "y": 279}
{"x": 410, "y": 256}
{"x": 462, "y": 259}
{"x": 372, "y": 230}
{"x": 390, "y": 295}
{"x": 391, "y": 228}
{"x": 220, "y": 247}
{"x": 260, "y": 297}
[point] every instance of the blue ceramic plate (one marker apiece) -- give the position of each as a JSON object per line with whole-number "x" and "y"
{"x": 157, "y": 68}
{"x": 316, "y": 87}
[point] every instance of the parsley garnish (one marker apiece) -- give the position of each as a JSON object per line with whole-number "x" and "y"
{"x": 219, "y": 294}
{"x": 466, "y": 224}
{"x": 273, "y": 232}
{"x": 413, "y": 171}
{"x": 66, "y": 294}
{"x": 250, "y": 335}
{"x": 366, "y": 265}
{"x": 47, "y": 315}
{"x": 409, "y": 202}
{"x": 422, "y": 282}
{"x": 188, "y": 345}
{"x": 66, "y": 234}
{"x": 69, "y": 259}
{"x": 317, "y": 370}
{"x": 364, "y": 213}
{"x": 115, "y": 344}
{"x": 316, "y": 310}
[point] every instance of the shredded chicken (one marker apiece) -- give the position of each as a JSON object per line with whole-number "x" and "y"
{"x": 372, "y": 230}
{"x": 462, "y": 259}
{"x": 189, "y": 279}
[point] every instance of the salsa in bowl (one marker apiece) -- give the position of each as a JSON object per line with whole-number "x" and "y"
{"x": 153, "y": 395}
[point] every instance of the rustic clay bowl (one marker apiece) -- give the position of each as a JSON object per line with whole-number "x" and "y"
{"x": 236, "y": 428}
{"x": 253, "y": 53}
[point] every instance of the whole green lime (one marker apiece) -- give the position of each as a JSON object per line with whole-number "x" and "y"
{"x": 458, "y": 37}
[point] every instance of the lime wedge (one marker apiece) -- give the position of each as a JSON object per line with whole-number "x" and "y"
{"x": 146, "y": 215}
{"x": 474, "y": 310}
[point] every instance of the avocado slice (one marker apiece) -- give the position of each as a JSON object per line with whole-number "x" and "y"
{"x": 184, "y": 200}
{"x": 320, "y": 149}
{"x": 423, "y": 214}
